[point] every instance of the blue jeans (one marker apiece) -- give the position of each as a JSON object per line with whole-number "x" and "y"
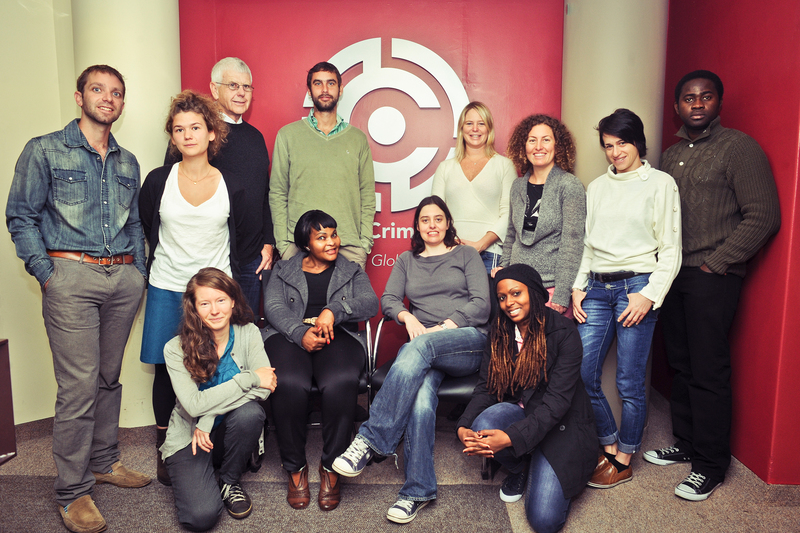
{"x": 604, "y": 303}
{"x": 407, "y": 402}
{"x": 490, "y": 260}
{"x": 545, "y": 505}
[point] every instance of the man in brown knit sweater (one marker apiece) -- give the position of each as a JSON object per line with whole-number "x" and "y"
{"x": 729, "y": 208}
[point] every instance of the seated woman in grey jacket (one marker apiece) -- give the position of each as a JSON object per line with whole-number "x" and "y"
{"x": 219, "y": 371}
{"x": 548, "y": 207}
{"x": 313, "y": 302}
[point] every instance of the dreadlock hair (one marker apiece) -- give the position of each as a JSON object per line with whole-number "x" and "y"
{"x": 197, "y": 341}
{"x": 530, "y": 366}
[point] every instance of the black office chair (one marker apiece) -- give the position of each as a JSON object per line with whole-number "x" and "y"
{"x": 453, "y": 389}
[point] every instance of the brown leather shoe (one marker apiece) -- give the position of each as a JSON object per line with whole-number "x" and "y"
{"x": 602, "y": 463}
{"x": 82, "y": 516}
{"x": 328, "y": 489}
{"x": 299, "y": 495}
{"x": 122, "y": 477}
{"x": 605, "y": 477}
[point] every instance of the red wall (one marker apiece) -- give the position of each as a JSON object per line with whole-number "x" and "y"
{"x": 490, "y": 45}
{"x": 756, "y": 53}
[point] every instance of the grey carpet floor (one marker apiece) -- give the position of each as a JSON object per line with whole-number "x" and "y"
{"x": 465, "y": 502}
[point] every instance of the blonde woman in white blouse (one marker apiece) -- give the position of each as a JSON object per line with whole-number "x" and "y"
{"x": 475, "y": 184}
{"x": 631, "y": 254}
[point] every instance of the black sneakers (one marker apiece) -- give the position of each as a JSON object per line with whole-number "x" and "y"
{"x": 666, "y": 456}
{"x": 236, "y": 500}
{"x": 513, "y": 487}
{"x": 696, "y": 487}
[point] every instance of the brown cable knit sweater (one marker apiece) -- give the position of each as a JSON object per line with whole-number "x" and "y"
{"x": 729, "y": 202}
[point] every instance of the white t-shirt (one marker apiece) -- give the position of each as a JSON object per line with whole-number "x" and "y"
{"x": 189, "y": 237}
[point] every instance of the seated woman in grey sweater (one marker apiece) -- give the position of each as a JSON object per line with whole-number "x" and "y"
{"x": 548, "y": 207}
{"x": 448, "y": 289}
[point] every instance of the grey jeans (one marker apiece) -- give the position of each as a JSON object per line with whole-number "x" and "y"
{"x": 88, "y": 313}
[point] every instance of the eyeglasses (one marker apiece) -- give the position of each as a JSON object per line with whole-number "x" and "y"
{"x": 233, "y": 86}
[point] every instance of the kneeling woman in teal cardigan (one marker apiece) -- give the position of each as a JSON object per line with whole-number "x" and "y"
{"x": 530, "y": 410}
{"x": 219, "y": 371}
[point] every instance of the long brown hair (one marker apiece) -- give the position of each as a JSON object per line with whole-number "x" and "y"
{"x": 197, "y": 341}
{"x": 530, "y": 366}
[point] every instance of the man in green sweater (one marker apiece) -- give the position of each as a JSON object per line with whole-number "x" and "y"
{"x": 729, "y": 208}
{"x": 322, "y": 162}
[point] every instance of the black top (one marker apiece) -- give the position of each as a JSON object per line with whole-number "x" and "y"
{"x": 244, "y": 155}
{"x": 532, "y": 206}
{"x": 317, "y": 291}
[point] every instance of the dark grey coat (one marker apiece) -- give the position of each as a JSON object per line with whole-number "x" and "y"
{"x": 558, "y": 414}
{"x": 350, "y": 298}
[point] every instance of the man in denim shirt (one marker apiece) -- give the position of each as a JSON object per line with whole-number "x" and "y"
{"x": 73, "y": 215}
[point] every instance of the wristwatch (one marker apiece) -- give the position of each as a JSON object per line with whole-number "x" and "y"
{"x": 442, "y": 325}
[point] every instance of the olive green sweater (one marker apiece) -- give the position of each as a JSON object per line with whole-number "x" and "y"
{"x": 729, "y": 203}
{"x": 334, "y": 174}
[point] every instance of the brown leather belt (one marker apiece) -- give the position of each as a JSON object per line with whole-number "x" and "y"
{"x": 122, "y": 259}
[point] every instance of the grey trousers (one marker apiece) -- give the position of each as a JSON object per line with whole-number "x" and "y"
{"x": 88, "y": 313}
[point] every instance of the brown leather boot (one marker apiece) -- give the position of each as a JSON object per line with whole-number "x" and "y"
{"x": 299, "y": 494}
{"x": 328, "y": 489}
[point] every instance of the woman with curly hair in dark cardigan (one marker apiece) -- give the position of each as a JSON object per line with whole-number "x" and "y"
{"x": 530, "y": 410}
{"x": 548, "y": 207}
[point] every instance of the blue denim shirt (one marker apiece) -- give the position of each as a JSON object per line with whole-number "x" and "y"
{"x": 64, "y": 196}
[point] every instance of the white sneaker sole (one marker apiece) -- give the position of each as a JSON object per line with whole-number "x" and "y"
{"x": 660, "y": 462}
{"x": 510, "y": 498}
{"x": 692, "y": 496}
{"x": 346, "y": 470}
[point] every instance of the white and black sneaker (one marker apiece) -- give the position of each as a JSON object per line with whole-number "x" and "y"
{"x": 666, "y": 456}
{"x": 236, "y": 500}
{"x": 354, "y": 458}
{"x": 404, "y": 511}
{"x": 696, "y": 487}
{"x": 513, "y": 487}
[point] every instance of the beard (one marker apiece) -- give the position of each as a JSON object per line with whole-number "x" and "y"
{"x": 91, "y": 112}
{"x": 322, "y": 106}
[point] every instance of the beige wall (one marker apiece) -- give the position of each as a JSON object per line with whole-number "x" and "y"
{"x": 52, "y": 42}
{"x": 614, "y": 56}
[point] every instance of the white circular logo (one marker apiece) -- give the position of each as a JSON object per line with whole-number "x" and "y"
{"x": 386, "y": 124}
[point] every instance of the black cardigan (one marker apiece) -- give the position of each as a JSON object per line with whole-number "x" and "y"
{"x": 150, "y": 204}
{"x": 559, "y": 417}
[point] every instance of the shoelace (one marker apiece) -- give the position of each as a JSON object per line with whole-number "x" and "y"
{"x": 668, "y": 450}
{"x": 356, "y": 451}
{"x": 514, "y": 483}
{"x": 405, "y": 505}
{"x": 695, "y": 479}
{"x": 233, "y": 493}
